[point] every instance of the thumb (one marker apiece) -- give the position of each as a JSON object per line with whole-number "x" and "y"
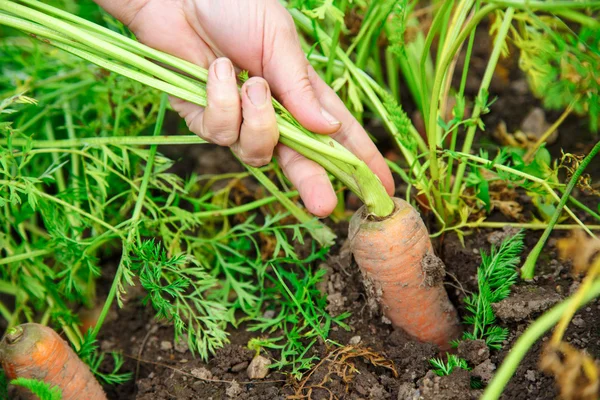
{"x": 286, "y": 69}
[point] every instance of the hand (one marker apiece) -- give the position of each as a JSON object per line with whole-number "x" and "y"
{"x": 258, "y": 36}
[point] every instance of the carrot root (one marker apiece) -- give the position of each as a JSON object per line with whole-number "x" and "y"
{"x": 37, "y": 352}
{"x": 401, "y": 271}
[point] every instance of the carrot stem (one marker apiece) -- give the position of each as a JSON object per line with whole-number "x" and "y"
{"x": 483, "y": 89}
{"x": 321, "y": 233}
{"x": 527, "y": 339}
{"x": 528, "y": 269}
{"x": 583, "y": 289}
{"x": 137, "y": 212}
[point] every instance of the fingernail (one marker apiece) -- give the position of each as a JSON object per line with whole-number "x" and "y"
{"x": 224, "y": 70}
{"x": 330, "y": 118}
{"x": 257, "y": 93}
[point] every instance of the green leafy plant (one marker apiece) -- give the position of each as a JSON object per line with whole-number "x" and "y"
{"x": 559, "y": 62}
{"x": 39, "y": 388}
{"x": 495, "y": 277}
{"x": 3, "y": 386}
{"x": 442, "y": 368}
{"x": 299, "y": 313}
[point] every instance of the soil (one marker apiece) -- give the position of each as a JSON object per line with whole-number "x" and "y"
{"x": 166, "y": 370}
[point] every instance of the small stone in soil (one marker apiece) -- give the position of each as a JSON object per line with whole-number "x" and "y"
{"x": 181, "y": 345}
{"x": 166, "y": 345}
{"x": 354, "y": 340}
{"x": 530, "y": 375}
{"x": 201, "y": 373}
{"x": 240, "y": 366}
{"x": 258, "y": 368}
{"x": 535, "y": 125}
{"x": 234, "y": 390}
{"x": 578, "y": 321}
{"x": 269, "y": 314}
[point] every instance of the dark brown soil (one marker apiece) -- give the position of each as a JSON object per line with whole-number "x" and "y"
{"x": 168, "y": 371}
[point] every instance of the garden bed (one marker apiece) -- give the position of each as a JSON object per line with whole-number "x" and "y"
{"x": 204, "y": 242}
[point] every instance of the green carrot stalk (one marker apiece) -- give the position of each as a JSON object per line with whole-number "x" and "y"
{"x": 527, "y": 339}
{"x": 528, "y": 268}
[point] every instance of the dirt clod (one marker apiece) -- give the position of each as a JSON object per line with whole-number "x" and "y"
{"x": 408, "y": 391}
{"x": 525, "y": 301}
{"x": 484, "y": 371}
{"x": 456, "y": 386}
{"x": 434, "y": 270}
{"x": 474, "y": 351}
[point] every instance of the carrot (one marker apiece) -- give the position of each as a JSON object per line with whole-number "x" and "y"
{"x": 37, "y": 352}
{"x": 399, "y": 268}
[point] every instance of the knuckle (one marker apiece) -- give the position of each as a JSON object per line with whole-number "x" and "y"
{"x": 301, "y": 91}
{"x": 223, "y": 100}
{"x": 224, "y": 138}
{"x": 256, "y": 161}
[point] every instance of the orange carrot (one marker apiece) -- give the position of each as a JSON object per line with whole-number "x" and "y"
{"x": 37, "y": 352}
{"x": 399, "y": 268}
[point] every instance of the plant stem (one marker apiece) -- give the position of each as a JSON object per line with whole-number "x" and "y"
{"x": 585, "y": 208}
{"x": 483, "y": 90}
{"x": 528, "y": 268}
{"x": 527, "y": 339}
{"x": 321, "y": 233}
{"x": 545, "y": 5}
{"x": 107, "y": 141}
{"x": 500, "y": 225}
{"x": 335, "y": 39}
{"x": 228, "y": 211}
{"x": 24, "y": 256}
{"x": 461, "y": 95}
{"x": 575, "y": 303}
{"x": 137, "y": 212}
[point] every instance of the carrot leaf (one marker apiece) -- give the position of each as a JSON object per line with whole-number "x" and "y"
{"x": 495, "y": 277}
{"x": 41, "y": 389}
{"x": 442, "y": 368}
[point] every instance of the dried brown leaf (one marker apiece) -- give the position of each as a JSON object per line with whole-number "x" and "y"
{"x": 580, "y": 248}
{"x": 575, "y": 372}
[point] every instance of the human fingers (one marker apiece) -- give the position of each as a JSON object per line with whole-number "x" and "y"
{"x": 351, "y": 134}
{"x": 310, "y": 179}
{"x": 259, "y": 133}
{"x": 220, "y": 122}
